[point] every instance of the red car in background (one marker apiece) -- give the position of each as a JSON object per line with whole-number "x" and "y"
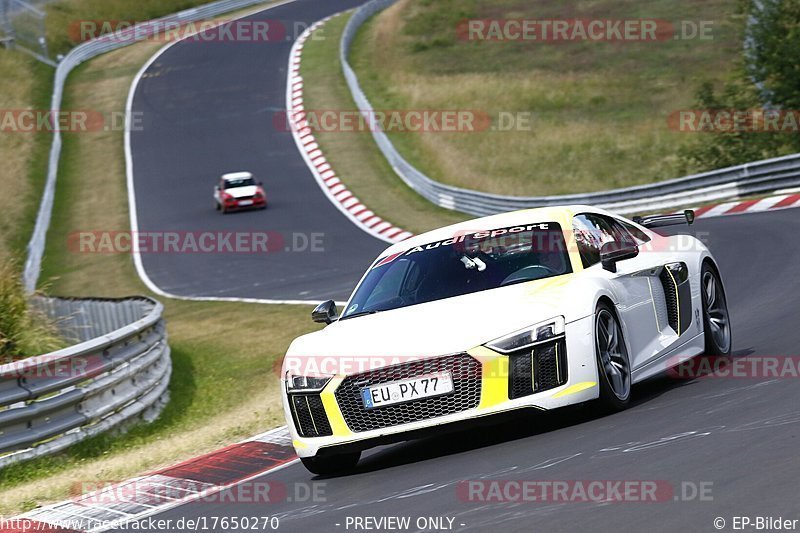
{"x": 239, "y": 190}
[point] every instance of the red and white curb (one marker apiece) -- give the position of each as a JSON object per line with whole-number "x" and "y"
{"x": 116, "y": 504}
{"x": 326, "y": 177}
{"x": 757, "y": 205}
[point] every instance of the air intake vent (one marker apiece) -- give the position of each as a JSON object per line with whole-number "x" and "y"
{"x": 677, "y": 293}
{"x": 309, "y": 415}
{"x": 537, "y": 369}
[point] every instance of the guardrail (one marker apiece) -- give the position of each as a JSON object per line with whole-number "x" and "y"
{"x": 75, "y": 57}
{"x": 118, "y": 373}
{"x": 723, "y": 184}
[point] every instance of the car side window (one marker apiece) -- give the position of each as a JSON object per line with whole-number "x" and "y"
{"x": 592, "y": 231}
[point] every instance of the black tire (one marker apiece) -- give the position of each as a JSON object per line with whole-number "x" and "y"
{"x": 216, "y": 206}
{"x": 716, "y": 320}
{"x": 331, "y": 465}
{"x": 613, "y": 362}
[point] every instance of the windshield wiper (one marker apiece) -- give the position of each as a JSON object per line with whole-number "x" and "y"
{"x": 360, "y": 313}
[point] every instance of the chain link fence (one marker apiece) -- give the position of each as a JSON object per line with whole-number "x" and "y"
{"x": 22, "y": 24}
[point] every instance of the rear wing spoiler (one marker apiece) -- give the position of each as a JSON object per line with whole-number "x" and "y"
{"x": 657, "y": 221}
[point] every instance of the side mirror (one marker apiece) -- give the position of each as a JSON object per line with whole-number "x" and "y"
{"x": 324, "y": 313}
{"x": 260, "y": 183}
{"x": 216, "y": 187}
{"x": 613, "y": 252}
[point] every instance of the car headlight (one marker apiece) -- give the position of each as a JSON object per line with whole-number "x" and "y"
{"x": 296, "y": 383}
{"x": 527, "y": 337}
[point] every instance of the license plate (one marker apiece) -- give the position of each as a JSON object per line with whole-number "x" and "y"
{"x": 246, "y": 202}
{"x": 406, "y": 390}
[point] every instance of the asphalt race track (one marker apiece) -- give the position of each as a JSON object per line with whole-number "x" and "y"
{"x": 208, "y": 108}
{"x": 739, "y": 435}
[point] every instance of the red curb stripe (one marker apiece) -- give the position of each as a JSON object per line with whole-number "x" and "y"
{"x": 744, "y": 206}
{"x": 391, "y": 232}
{"x": 233, "y": 463}
{"x": 786, "y": 202}
{"x": 700, "y": 211}
{"x": 343, "y": 195}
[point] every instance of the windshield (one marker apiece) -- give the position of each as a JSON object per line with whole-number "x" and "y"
{"x": 467, "y": 263}
{"x": 238, "y": 182}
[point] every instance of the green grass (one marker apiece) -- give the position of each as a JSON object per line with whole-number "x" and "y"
{"x": 599, "y": 109}
{"x": 354, "y": 155}
{"x": 25, "y": 84}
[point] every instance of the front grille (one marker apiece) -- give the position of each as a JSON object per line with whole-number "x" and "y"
{"x": 466, "y": 394}
{"x": 537, "y": 369}
{"x": 309, "y": 415}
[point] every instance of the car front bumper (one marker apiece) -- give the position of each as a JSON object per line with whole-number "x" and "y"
{"x": 256, "y": 203}
{"x": 494, "y": 398}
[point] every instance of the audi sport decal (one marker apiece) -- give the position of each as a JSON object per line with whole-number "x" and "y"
{"x": 506, "y": 236}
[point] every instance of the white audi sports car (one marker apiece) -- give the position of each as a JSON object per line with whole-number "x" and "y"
{"x": 535, "y": 309}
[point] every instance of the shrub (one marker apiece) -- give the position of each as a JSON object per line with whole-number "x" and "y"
{"x": 24, "y": 331}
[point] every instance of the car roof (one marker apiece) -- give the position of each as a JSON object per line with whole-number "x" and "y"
{"x": 237, "y": 175}
{"x": 560, "y": 214}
